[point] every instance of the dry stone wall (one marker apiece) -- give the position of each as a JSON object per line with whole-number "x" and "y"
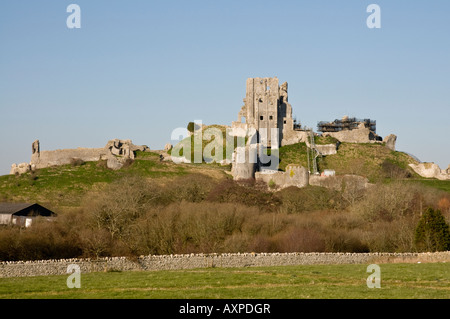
{"x": 173, "y": 262}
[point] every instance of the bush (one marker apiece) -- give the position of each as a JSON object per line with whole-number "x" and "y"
{"x": 312, "y": 198}
{"x": 192, "y": 188}
{"x": 76, "y": 162}
{"x": 391, "y": 236}
{"x": 272, "y": 184}
{"x": 127, "y": 163}
{"x": 44, "y": 240}
{"x": 191, "y": 127}
{"x": 392, "y": 170}
{"x": 246, "y": 193}
{"x": 340, "y": 240}
{"x": 388, "y": 201}
{"x": 432, "y": 232}
{"x": 123, "y": 201}
{"x": 295, "y": 239}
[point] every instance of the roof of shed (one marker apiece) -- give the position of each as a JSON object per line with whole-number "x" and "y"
{"x": 25, "y": 209}
{"x": 11, "y": 208}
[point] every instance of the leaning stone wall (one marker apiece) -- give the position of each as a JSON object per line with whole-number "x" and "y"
{"x": 174, "y": 262}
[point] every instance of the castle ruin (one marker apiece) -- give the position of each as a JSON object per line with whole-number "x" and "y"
{"x": 115, "y": 153}
{"x": 266, "y": 107}
{"x": 266, "y": 117}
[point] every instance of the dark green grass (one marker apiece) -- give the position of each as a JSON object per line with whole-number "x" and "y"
{"x": 284, "y": 282}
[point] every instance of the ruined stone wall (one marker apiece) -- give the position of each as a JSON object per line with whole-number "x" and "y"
{"x": 431, "y": 170}
{"x": 62, "y": 157}
{"x": 192, "y": 261}
{"x": 359, "y": 135}
{"x": 116, "y": 152}
{"x": 338, "y": 182}
{"x": 295, "y": 175}
{"x": 293, "y": 137}
{"x": 244, "y": 162}
{"x": 327, "y": 149}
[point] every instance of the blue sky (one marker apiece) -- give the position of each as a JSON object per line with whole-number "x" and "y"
{"x": 139, "y": 69}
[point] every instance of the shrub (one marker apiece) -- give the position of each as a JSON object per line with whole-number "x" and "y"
{"x": 192, "y": 188}
{"x": 76, "y": 161}
{"x": 388, "y": 201}
{"x": 44, "y": 240}
{"x": 392, "y": 170}
{"x": 297, "y": 200}
{"x": 391, "y": 236}
{"x": 127, "y": 163}
{"x": 229, "y": 191}
{"x": 191, "y": 127}
{"x": 117, "y": 206}
{"x": 102, "y": 164}
{"x": 272, "y": 184}
{"x": 342, "y": 241}
{"x": 295, "y": 239}
{"x": 432, "y": 232}
{"x": 33, "y": 176}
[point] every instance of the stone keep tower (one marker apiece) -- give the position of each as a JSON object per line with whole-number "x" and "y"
{"x": 265, "y": 107}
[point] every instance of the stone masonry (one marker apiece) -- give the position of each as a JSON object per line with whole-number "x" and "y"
{"x": 294, "y": 175}
{"x": 226, "y": 260}
{"x": 266, "y": 107}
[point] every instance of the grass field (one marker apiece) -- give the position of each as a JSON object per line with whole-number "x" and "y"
{"x": 418, "y": 281}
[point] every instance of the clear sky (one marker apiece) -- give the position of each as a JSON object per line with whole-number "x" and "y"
{"x": 139, "y": 69}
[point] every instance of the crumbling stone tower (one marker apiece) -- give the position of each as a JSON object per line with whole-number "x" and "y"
{"x": 265, "y": 107}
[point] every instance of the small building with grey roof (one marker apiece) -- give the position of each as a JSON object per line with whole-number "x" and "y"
{"x": 22, "y": 214}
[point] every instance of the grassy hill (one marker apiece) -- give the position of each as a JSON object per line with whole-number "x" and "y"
{"x": 374, "y": 161}
{"x": 159, "y": 207}
{"x": 66, "y": 185}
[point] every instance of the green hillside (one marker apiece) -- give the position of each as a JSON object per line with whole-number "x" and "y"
{"x": 374, "y": 161}
{"x": 66, "y": 185}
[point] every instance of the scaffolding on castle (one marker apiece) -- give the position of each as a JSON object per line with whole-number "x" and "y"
{"x": 345, "y": 124}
